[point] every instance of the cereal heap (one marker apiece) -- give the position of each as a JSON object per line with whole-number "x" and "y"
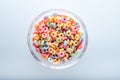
{"x": 57, "y": 38}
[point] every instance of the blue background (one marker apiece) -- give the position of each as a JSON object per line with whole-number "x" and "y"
{"x": 101, "y": 59}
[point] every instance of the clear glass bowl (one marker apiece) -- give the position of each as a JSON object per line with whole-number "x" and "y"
{"x": 74, "y": 59}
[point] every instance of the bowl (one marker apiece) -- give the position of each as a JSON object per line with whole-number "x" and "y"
{"x": 57, "y": 38}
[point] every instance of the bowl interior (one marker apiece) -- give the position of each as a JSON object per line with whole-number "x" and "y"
{"x": 74, "y": 59}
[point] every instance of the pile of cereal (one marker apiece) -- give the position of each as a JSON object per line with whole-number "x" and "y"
{"x": 57, "y": 38}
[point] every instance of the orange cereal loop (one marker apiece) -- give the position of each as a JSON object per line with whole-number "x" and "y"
{"x": 71, "y": 27}
{"x": 66, "y": 56}
{"x": 55, "y": 43}
{"x": 70, "y": 42}
{"x": 61, "y": 49}
{"x": 33, "y": 38}
{"x": 53, "y": 34}
{"x": 45, "y": 22}
{"x": 68, "y": 50}
{"x": 50, "y": 50}
{"x": 36, "y": 26}
{"x": 68, "y": 24}
{"x": 40, "y": 36}
{"x": 54, "y": 60}
{"x": 42, "y": 23}
{"x": 36, "y": 37}
{"x": 57, "y": 32}
{"x": 56, "y": 18}
{"x": 53, "y": 46}
{"x": 57, "y": 50}
{"x": 48, "y": 19}
{"x": 53, "y": 52}
{"x": 48, "y": 24}
{"x": 53, "y": 19}
{"x": 72, "y": 22}
{"x": 61, "y": 35}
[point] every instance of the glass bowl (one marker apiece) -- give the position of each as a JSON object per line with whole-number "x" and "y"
{"x": 74, "y": 57}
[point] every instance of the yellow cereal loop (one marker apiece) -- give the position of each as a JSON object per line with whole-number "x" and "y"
{"x": 72, "y": 37}
{"x": 71, "y": 42}
{"x": 68, "y": 33}
{"x": 75, "y": 43}
{"x": 79, "y": 33}
{"x": 64, "y": 26}
{"x": 77, "y": 37}
{"x": 68, "y": 23}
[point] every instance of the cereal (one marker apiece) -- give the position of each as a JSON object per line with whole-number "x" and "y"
{"x": 61, "y": 54}
{"x": 57, "y": 38}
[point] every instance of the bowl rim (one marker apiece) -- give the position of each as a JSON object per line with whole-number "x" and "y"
{"x": 51, "y": 66}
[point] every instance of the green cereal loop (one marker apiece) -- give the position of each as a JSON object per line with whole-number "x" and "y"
{"x": 42, "y": 42}
{"x": 77, "y": 52}
{"x": 72, "y": 47}
{"x": 58, "y": 40}
{"x": 73, "y": 54}
{"x": 71, "y": 50}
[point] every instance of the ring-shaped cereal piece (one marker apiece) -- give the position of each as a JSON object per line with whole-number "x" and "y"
{"x": 68, "y": 33}
{"x": 45, "y": 29}
{"x": 75, "y": 43}
{"x": 61, "y": 35}
{"x": 44, "y": 35}
{"x": 36, "y": 26}
{"x": 71, "y": 42}
{"x": 61, "y": 54}
{"x": 77, "y": 37}
{"x": 53, "y": 34}
{"x": 58, "y": 40}
{"x": 50, "y": 50}
{"x": 36, "y": 36}
{"x": 68, "y": 24}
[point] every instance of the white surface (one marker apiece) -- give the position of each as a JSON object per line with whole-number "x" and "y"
{"x": 101, "y": 60}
